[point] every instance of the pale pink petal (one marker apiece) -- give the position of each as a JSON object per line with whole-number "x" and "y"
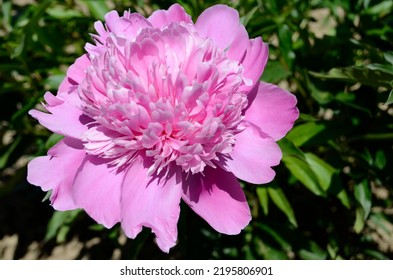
{"x": 253, "y": 156}
{"x": 63, "y": 118}
{"x": 151, "y": 202}
{"x": 222, "y": 24}
{"x": 219, "y": 23}
{"x": 273, "y": 110}
{"x": 255, "y": 59}
{"x": 218, "y": 198}
{"x": 126, "y": 26}
{"x": 96, "y": 189}
{"x": 67, "y": 86}
{"x": 76, "y": 73}
{"x": 239, "y": 45}
{"x": 56, "y": 172}
{"x": 175, "y": 13}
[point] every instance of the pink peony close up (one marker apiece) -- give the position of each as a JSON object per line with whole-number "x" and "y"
{"x": 161, "y": 110}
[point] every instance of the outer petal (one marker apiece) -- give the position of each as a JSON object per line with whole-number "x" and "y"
{"x": 56, "y": 172}
{"x": 222, "y": 24}
{"x": 175, "y": 13}
{"x": 64, "y": 117}
{"x": 76, "y": 73}
{"x": 255, "y": 59}
{"x": 96, "y": 189}
{"x": 273, "y": 110}
{"x": 253, "y": 155}
{"x": 218, "y": 198}
{"x": 152, "y": 202}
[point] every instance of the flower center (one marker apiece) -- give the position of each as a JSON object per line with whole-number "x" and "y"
{"x": 168, "y": 94}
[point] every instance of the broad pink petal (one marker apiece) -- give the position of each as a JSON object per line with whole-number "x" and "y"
{"x": 151, "y": 202}
{"x": 68, "y": 87}
{"x": 273, "y": 110}
{"x": 253, "y": 156}
{"x": 255, "y": 59}
{"x": 218, "y": 198}
{"x": 96, "y": 189}
{"x": 63, "y": 118}
{"x": 76, "y": 73}
{"x": 175, "y": 13}
{"x": 220, "y": 23}
{"x": 56, "y": 172}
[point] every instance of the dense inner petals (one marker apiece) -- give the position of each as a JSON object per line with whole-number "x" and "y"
{"x": 167, "y": 93}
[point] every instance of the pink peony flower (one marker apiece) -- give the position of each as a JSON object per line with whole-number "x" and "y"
{"x": 161, "y": 110}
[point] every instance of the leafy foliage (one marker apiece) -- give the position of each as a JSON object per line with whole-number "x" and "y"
{"x": 332, "y": 197}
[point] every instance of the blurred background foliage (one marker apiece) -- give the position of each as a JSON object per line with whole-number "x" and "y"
{"x": 332, "y": 197}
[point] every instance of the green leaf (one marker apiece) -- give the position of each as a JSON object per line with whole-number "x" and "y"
{"x": 267, "y": 251}
{"x": 60, "y": 219}
{"x": 288, "y": 148}
{"x": 390, "y": 97}
{"x": 61, "y": 13}
{"x": 275, "y": 72}
{"x": 363, "y": 198}
{"x": 310, "y": 170}
{"x": 373, "y": 75}
{"x": 314, "y": 252}
{"x": 276, "y": 236}
{"x": 281, "y": 201}
{"x": 322, "y": 170}
{"x": 249, "y": 16}
{"x": 380, "y": 159}
{"x": 302, "y": 171}
{"x": 6, "y": 15}
{"x": 359, "y": 221}
{"x": 5, "y": 156}
{"x": 301, "y": 134}
{"x": 381, "y": 9}
{"x": 98, "y": 8}
{"x": 375, "y": 254}
{"x": 263, "y": 199}
{"x": 343, "y": 197}
{"x": 285, "y": 44}
{"x": 349, "y": 99}
{"x": 388, "y": 57}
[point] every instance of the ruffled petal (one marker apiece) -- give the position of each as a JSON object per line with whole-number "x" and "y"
{"x": 175, "y": 13}
{"x": 56, "y": 172}
{"x": 63, "y": 118}
{"x": 273, "y": 110}
{"x": 151, "y": 202}
{"x": 253, "y": 156}
{"x": 217, "y": 197}
{"x": 97, "y": 188}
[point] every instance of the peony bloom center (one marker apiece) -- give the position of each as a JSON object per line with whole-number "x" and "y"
{"x": 168, "y": 93}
